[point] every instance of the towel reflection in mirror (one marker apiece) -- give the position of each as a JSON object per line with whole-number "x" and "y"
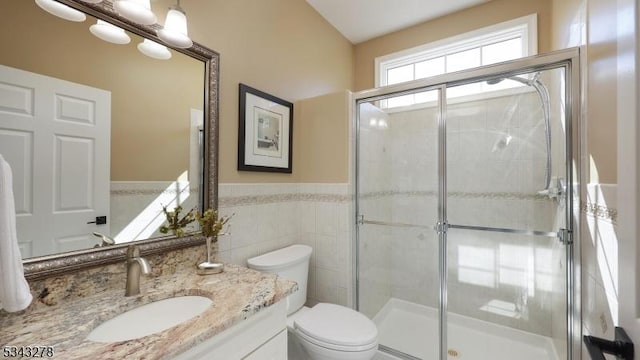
{"x": 15, "y": 294}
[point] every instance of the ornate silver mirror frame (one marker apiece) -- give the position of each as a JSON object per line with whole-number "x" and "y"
{"x": 45, "y": 266}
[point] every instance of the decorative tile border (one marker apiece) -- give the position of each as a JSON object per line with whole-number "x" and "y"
{"x": 459, "y": 194}
{"x": 280, "y": 198}
{"x": 151, "y": 192}
{"x": 600, "y": 211}
{"x": 247, "y": 200}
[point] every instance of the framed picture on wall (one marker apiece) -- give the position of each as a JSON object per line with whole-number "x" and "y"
{"x": 265, "y": 132}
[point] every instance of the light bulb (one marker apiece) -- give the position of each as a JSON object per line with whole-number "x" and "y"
{"x": 136, "y": 10}
{"x": 154, "y": 50}
{"x": 109, "y": 32}
{"x": 175, "y": 30}
{"x": 61, "y": 10}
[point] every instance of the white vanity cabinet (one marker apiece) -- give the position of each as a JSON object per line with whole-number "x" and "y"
{"x": 263, "y": 336}
{"x": 274, "y": 349}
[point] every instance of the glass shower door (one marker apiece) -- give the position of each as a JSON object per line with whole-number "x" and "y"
{"x": 397, "y": 202}
{"x": 506, "y": 175}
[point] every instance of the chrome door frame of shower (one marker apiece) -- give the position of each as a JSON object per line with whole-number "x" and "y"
{"x": 569, "y": 59}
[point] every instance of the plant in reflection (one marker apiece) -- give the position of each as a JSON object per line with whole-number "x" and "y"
{"x": 211, "y": 223}
{"x": 175, "y": 223}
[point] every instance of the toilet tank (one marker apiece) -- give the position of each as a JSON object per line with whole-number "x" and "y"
{"x": 291, "y": 263}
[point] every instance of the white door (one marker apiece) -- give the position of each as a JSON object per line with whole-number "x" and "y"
{"x": 56, "y": 136}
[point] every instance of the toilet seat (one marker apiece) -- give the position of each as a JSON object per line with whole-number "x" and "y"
{"x": 337, "y": 327}
{"x": 333, "y": 347}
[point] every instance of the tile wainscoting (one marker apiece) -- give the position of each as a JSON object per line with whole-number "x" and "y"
{"x": 267, "y": 217}
{"x": 271, "y": 216}
{"x": 600, "y": 260}
{"x": 136, "y": 206}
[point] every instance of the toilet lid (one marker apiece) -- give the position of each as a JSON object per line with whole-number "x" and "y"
{"x": 280, "y": 259}
{"x": 337, "y": 325}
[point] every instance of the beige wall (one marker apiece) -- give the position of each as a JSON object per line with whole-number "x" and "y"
{"x": 490, "y": 13}
{"x": 594, "y": 24}
{"x": 324, "y": 152}
{"x": 284, "y": 48}
{"x": 150, "y": 135}
{"x": 606, "y": 32}
{"x": 602, "y": 78}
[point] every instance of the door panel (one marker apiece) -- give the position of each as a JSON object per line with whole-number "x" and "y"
{"x": 506, "y": 205}
{"x": 21, "y": 166}
{"x": 73, "y": 174}
{"x": 397, "y": 196}
{"x": 56, "y": 137}
{"x": 499, "y": 266}
{"x": 75, "y": 110}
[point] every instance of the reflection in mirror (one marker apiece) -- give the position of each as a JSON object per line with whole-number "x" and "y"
{"x": 99, "y": 136}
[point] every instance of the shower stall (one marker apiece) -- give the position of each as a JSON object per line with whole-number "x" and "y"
{"x": 467, "y": 205}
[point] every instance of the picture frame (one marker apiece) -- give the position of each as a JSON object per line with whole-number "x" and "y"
{"x": 265, "y": 132}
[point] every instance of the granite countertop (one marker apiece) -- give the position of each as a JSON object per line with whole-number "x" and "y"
{"x": 237, "y": 293}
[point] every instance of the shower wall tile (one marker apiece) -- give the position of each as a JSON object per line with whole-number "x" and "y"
{"x": 502, "y": 113}
{"x": 375, "y": 246}
{"x": 496, "y": 164}
{"x": 599, "y": 260}
{"x": 530, "y": 112}
{"x": 376, "y": 183}
{"x": 375, "y": 268}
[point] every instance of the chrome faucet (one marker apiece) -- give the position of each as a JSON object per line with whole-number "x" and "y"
{"x": 106, "y": 241}
{"x": 135, "y": 266}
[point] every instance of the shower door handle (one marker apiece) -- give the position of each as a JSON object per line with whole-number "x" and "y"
{"x": 622, "y": 346}
{"x": 508, "y": 231}
{"x": 362, "y": 221}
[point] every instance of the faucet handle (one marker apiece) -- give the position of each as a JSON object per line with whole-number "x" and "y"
{"x": 106, "y": 240}
{"x": 133, "y": 251}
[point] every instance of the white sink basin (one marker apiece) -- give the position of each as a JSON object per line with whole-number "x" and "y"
{"x": 149, "y": 319}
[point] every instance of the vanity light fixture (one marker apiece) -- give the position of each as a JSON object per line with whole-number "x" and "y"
{"x": 154, "y": 50}
{"x": 138, "y": 11}
{"x": 61, "y": 10}
{"x": 109, "y": 32}
{"x": 175, "y": 31}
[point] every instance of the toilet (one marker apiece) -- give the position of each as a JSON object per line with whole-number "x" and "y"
{"x": 325, "y": 331}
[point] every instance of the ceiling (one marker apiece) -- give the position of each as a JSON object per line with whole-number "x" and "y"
{"x": 361, "y": 20}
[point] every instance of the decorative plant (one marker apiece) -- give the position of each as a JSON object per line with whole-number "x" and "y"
{"x": 211, "y": 224}
{"x": 176, "y": 224}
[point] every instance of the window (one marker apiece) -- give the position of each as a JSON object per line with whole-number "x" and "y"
{"x": 501, "y": 42}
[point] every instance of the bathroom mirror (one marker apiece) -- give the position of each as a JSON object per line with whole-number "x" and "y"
{"x": 158, "y": 147}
